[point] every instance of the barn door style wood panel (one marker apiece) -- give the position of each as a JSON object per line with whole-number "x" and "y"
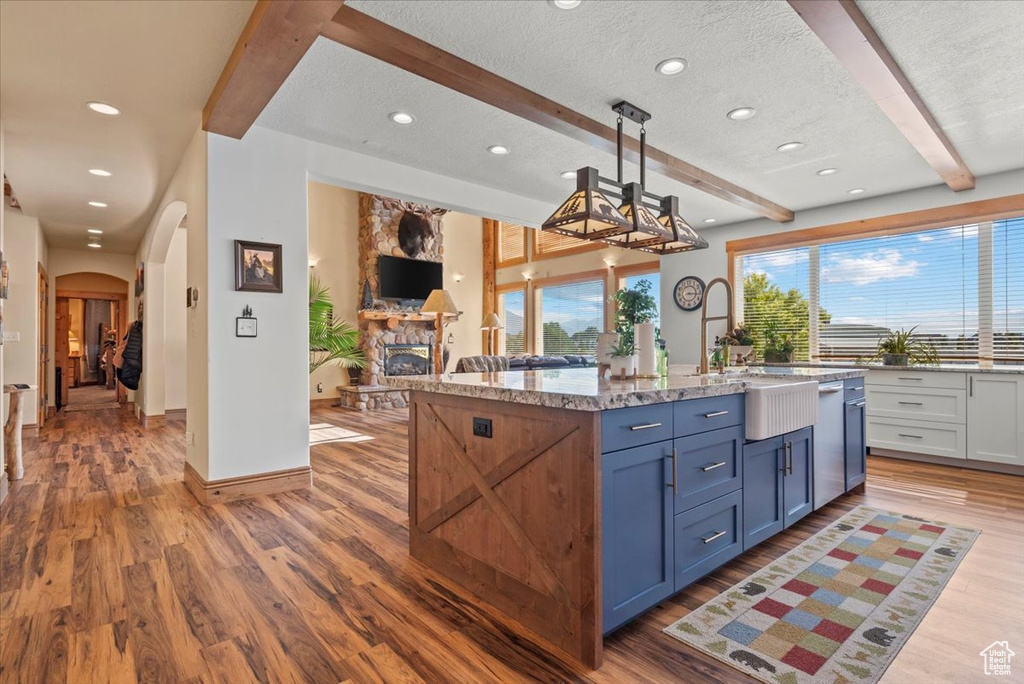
{"x": 513, "y": 517}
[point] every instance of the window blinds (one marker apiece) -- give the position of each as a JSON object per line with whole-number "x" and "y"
{"x": 512, "y": 306}
{"x": 546, "y": 243}
{"x": 511, "y": 243}
{"x": 775, "y": 298}
{"x": 1008, "y": 289}
{"x": 572, "y": 316}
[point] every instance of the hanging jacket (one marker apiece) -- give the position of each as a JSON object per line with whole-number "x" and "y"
{"x": 131, "y": 357}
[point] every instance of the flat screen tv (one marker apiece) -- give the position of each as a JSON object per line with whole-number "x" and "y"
{"x": 408, "y": 278}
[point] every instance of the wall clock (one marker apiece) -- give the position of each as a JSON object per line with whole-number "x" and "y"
{"x": 689, "y": 293}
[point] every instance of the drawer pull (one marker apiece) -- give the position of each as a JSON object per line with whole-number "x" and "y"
{"x": 713, "y": 466}
{"x": 856, "y": 389}
{"x": 829, "y": 390}
{"x": 860, "y": 404}
{"x": 911, "y": 403}
{"x": 712, "y": 537}
{"x": 675, "y": 471}
{"x": 645, "y": 426}
{"x": 715, "y": 414}
{"x": 914, "y": 379}
{"x": 910, "y": 436}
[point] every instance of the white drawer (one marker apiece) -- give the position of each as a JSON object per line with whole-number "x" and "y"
{"x": 918, "y": 437}
{"x": 942, "y": 405}
{"x": 916, "y": 378}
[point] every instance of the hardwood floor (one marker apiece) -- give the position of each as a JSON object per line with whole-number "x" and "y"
{"x": 111, "y": 572}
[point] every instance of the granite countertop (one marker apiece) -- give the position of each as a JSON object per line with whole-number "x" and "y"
{"x": 580, "y": 389}
{"x": 941, "y": 367}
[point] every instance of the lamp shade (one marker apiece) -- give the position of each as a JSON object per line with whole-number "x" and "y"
{"x": 644, "y": 227}
{"x": 683, "y": 237}
{"x": 440, "y": 301}
{"x": 587, "y": 214}
{"x": 491, "y": 322}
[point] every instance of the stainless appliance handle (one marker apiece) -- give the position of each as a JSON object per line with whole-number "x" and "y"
{"x": 715, "y": 414}
{"x": 713, "y": 466}
{"x": 910, "y": 403}
{"x": 829, "y": 390}
{"x": 645, "y": 426}
{"x": 901, "y": 434}
{"x": 713, "y": 537}
{"x": 915, "y": 379}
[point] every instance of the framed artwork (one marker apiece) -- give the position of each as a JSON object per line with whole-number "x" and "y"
{"x": 140, "y": 279}
{"x": 257, "y": 267}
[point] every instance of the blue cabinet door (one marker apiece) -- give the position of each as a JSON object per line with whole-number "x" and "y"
{"x": 856, "y": 444}
{"x": 707, "y": 537}
{"x": 763, "y": 508}
{"x": 637, "y": 533}
{"x": 798, "y": 483}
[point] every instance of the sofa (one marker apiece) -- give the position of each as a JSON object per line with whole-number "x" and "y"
{"x": 522, "y": 362}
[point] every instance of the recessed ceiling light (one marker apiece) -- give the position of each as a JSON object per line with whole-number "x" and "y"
{"x": 99, "y": 172}
{"x": 498, "y": 149}
{"x": 565, "y": 4}
{"x": 567, "y": 175}
{"x": 856, "y": 191}
{"x": 742, "y": 113}
{"x": 786, "y": 147}
{"x": 95, "y": 231}
{"x": 671, "y": 66}
{"x": 95, "y": 245}
{"x": 101, "y": 205}
{"x": 827, "y": 172}
{"x": 104, "y": 108}
{"x": 710, "y": 220}
{"x": 402, "y": 118}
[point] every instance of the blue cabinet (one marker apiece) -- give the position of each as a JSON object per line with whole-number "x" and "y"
{"x": 709, "y": 465}
{"x": 637, "y": 532}
{"x": 798, "y": 482}
{"x": 778, "y": 490}
{"x": 707, "y": 536}
{"x": 856, "y": 444}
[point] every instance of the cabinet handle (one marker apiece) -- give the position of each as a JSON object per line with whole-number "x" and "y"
{"x": 645, "y": 426}
{"x": 829, "y": 390}
{"x": 715, "y": 414}
{"x": 857, "y": 389}
{"x": 713, "y": 466}
{"x": 675, "y": 483}
{"x": 910, "y": 403}
{"x": 911, "y": 436}
{"x": 914, "y": 379}
{"x": 859, "y": 404}
{"x": 789, "y": 450}
{"x": 972, "y": 385}
{"x": 713, "y": 536}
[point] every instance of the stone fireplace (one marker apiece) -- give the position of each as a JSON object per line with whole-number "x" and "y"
{"x": 407, "y": 359}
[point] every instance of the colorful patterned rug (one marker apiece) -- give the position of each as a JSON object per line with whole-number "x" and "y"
{"x": 836, "y": 609}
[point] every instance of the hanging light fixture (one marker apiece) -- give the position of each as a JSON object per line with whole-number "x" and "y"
{"x": 590, "y": 215}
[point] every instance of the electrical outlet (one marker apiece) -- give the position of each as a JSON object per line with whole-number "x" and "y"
{"x": 319, "y": 388}
{"x": 482, "y": 428}
{"x": 190, "y": 438}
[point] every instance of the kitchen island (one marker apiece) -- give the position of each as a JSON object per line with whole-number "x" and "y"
{"x": 572, "y": 504}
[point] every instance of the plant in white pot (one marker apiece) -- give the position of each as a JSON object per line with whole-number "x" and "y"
{"x": 623, "y": 360}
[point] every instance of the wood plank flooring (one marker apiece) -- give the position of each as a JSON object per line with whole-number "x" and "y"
{"x": 111, "y": 572}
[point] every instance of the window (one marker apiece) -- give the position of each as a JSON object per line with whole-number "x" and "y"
{"x": 961, "y": 287}
{"x": 1008, "y": 289}
{"x": 572, "y": 316}
{"x": 511, "y": 244}
{"x": 553, "y": 244}
{"x": 775, "y": 298}
{"x": 512, "y": 309}
{"x": 654, "y": 279}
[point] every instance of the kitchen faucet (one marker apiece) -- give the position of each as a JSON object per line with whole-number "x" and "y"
{"x": 704, "y": 320}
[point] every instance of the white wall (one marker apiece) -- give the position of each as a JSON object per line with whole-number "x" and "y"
{"x": 682, "y": 329}
{"x": 21, "y": 310}
{"x": 464, "y": 255}
{"x": 175, "y": 323}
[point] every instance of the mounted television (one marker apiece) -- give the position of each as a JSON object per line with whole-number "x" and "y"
{"x": 411, "y": 279}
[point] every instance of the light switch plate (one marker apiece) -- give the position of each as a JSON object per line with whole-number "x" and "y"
{"x": 12, "y": 336}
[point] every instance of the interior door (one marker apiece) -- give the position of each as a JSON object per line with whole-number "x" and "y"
{"x": 44, "y": 357}
{"x": 61, "y": 348}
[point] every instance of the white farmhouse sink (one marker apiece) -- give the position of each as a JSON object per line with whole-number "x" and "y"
{"x": 775, "y": 407}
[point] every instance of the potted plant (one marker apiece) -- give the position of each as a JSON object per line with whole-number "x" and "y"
{"x": 778, "y": 345}
{"x": 623, "y": 361}
{"x": 741, "y": 343}
{"x": 633, "y": 306}
{"x": 331, "y": 340}
{"x": 902, "y": 348}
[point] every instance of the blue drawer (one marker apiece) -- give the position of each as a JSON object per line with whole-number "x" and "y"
{"x": 708, "y": 465}
{"x": 854, "y": 389}
{"x": 708, "y": 536}
{"x": 629, "y": 427}
{"x": 702, "y": 415}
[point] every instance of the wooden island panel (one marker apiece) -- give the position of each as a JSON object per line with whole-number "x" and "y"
{"x": 514, "y": 518}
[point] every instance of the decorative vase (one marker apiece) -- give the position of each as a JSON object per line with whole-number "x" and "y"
{"x": 740, "y": 353}
{"x": 605, "y": 342}
{"x": 623, "y": 367}
{"x": 895, "y": 359}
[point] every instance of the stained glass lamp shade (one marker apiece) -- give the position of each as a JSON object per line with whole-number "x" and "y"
{"x": 644, "y": 227}
{"x": 587, "y": 214}
{"x": 683, "y": 238}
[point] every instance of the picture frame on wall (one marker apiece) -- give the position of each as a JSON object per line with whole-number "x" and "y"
{"x": 258, "y": 267}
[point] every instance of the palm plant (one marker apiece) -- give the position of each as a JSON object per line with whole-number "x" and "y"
{"x": 331, "y": 340}
{"x": 901, "y": 347}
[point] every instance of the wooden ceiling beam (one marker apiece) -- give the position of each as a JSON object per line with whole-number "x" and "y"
{"x": 372, "y": 37}
{"x": 277, "y": 35}
{"x": 844, "y": 30}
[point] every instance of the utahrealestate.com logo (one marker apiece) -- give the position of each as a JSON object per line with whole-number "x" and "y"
{"x": 997, "y": 658}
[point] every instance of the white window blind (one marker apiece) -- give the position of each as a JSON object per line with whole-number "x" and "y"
{"x": 775, "y": 297}
{"x": 511, "y": 243}
{"x": 572, "y": 316}
{"x": 512, "y": 309}
{"x": 1008, "y": 289}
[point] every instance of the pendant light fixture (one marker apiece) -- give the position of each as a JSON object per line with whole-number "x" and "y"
{"x": 589, "y": 213}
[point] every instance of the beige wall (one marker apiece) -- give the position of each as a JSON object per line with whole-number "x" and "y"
{"x": 464, "y": 256}
{"x": 91, "y": 282}
{"x": 175, "y": 323}
{"x": 24, "y": 250}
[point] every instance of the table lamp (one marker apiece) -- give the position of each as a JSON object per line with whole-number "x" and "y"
{"x": 440, "y": 303}
{"x": 491, "y": 323}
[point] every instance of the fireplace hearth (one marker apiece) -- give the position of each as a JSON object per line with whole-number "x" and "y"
{"x": 407, "y": 359}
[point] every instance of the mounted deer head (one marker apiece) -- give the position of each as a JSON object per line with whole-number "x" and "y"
{"x": 416, "y": 228}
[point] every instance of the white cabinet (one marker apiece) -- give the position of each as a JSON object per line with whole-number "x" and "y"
{"x": 995, "y": 418}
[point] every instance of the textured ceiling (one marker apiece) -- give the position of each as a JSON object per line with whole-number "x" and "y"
{"x": 156, "y": 61}
{"x": 753, "y": 53}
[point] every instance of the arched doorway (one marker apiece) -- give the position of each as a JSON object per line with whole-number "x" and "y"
{"x": 91, "y": 317}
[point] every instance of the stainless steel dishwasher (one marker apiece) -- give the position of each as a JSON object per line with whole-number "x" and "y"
{"x": 829, "y": 445}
